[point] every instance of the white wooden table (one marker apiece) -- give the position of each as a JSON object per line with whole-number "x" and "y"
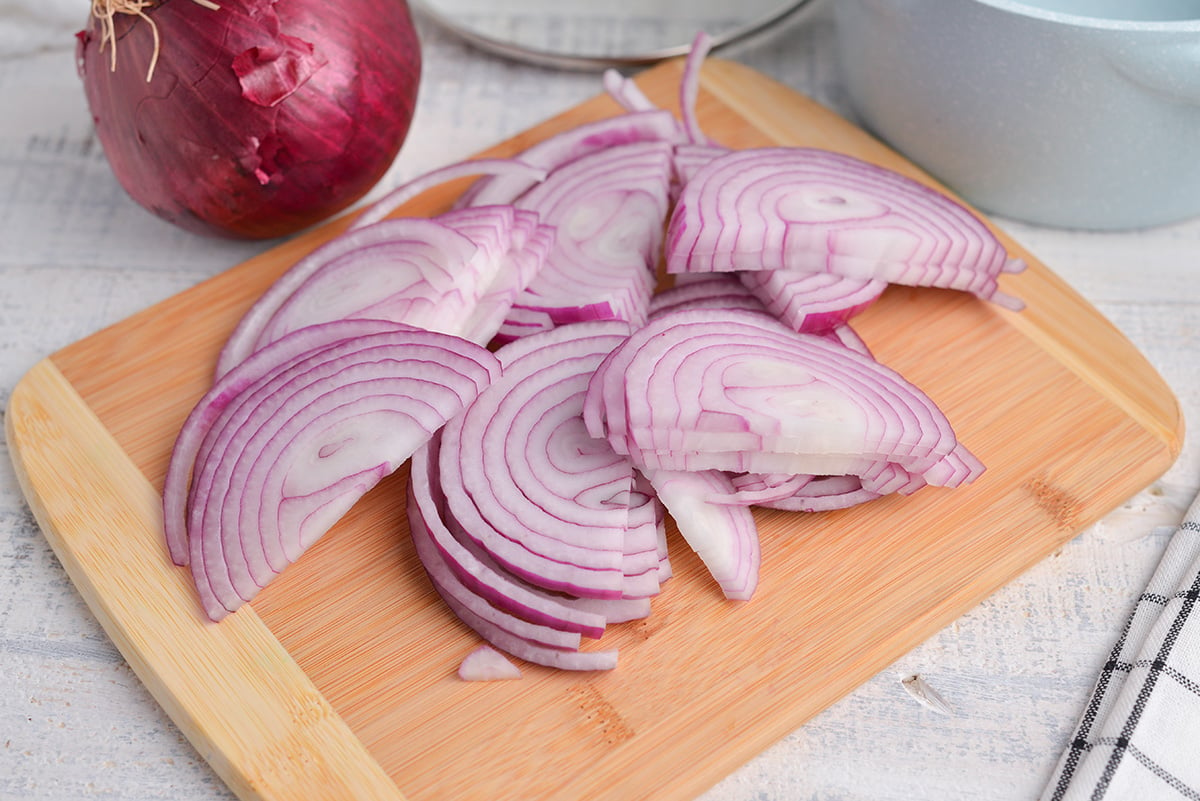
{"x": 76, "y": 255}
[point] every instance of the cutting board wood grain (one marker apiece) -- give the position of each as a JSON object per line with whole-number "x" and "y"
{"x": 338, "y": 682}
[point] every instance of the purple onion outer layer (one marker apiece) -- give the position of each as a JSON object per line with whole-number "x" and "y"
{"x": 261, "y": 117}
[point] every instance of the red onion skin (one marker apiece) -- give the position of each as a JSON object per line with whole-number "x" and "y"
{"x": 325, "y": 100}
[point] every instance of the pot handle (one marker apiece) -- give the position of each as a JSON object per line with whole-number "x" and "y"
{"x": 1171, "y": 71}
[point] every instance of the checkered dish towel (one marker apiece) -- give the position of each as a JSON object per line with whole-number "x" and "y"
{"x": 1139, "y": 736}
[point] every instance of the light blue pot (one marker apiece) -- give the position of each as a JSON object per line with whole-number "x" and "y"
{"x": 1042, "y": 111}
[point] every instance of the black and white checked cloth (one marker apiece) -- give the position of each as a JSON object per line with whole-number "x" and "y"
{"x": 1139, "y": 736}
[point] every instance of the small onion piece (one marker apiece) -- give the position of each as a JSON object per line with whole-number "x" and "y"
{"x": 253, "y": 119}
{"x": 289, "y": 455}
{"x": 487, "y": 664}
{"x": 814, "y": 210}
{"x": 724, "y": 536}
{"x": 626, "y": 92}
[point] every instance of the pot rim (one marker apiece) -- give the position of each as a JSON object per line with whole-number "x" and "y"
{"x": 1105, "y": 23}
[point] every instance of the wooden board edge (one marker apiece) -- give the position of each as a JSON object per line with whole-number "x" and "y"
{"x": 1110, "y": 363}
{"x": 249, "y": 709}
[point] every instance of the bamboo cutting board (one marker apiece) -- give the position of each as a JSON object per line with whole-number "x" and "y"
{"x": 338, "y": 681}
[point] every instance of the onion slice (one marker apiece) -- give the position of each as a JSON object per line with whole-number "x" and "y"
{"x": 816, "y": 210}
{"x": 424, "y": 250}
{"x": 608, "y": 209}
{"x": 824, "y": 494}
{"x": 705, "y": 291}
{"x": 689, "y": 88}
{"x": 523, "y": 478}
{"x": 393, "y": 200}
{"x": 289, "y": 454}
{"x": 627, "y": 94}
{"x": 650, "y": 125}
{"x": 487, "y": 664}
{"x": 474, "y": 569}
{"x": 429, "y": 273}
{"x": 244, "y": 377}
{"x": 724, "y": 536}
{"x": 812, "y": 302}
{"x": 531, "y": 531}
{"x": 737, "y": 391}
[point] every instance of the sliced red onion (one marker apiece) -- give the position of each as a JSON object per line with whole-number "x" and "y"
{"x": 570, "y": 145}
{"x": 522, "y": 263}
{"x": 689, "y": 88}
{"x": 811, "y": 302}
{"x": 453, "y": 590}
{"x": 430, "y": 273}
{"x": 560, "y": 658}
{"x": 705, "y": 291}
{"x": 428, "y": 280}
{"x": 627, "y": 94}
{"x": 242, "y": 378}
{"x": 757, "y": 489}
{"x": 691, "y": 157}
{"x": 608, "y": 209}
{"x": 349, "y": 277}
{"x": 522, "y": 478}
{"x": 825, "y": 494}
{"x": 387, "y": 205}
{"x": 524, "y": 503}
{"x": 736, "y": 391}
{"x": 475, "y": 570}
{"x": 293, "y": 452}
{"x": 487, "y": 664}
{"x": 723, "y": 536}
{"x": 844, "y": 334}
{"x": 820, "y": 211}
{"x": 524, "y": 522}
{"x": 752, "y": 387}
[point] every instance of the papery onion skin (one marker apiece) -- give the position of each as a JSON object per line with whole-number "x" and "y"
{"x": 261, "y": 117}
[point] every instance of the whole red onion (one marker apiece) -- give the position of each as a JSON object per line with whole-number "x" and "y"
{"x": 251, "y": 118}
